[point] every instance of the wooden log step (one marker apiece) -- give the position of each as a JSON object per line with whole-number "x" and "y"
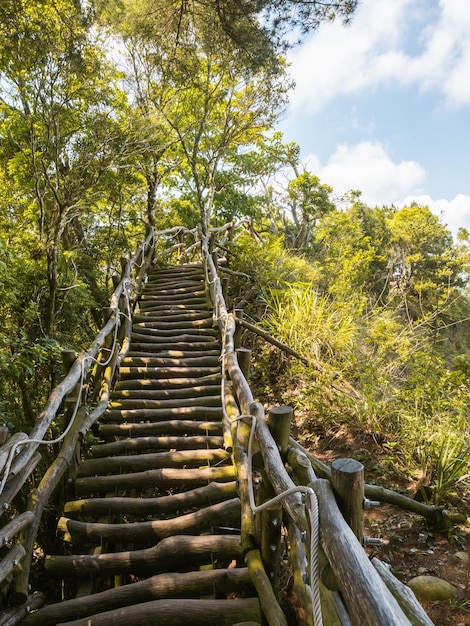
{"x": 161, "y": 325}
{"x": 201, "y": 341}
{"x": 178, "y": 613}
{"x": 192, "y": 304}
{"x": 168, "y": 383}
{"x": 108, "y": 431}
{"x": 169, "y": 346}
{"x": 138, "y": 444}
{"x": 171, "y": 403}
{"x": 176, "y": 478}
{"x": 175, "y": 370}
{"x": 201, "y": 496}
{"x": 181, "y": 356}
{"x": 157, "y": 394}
{"x": 155, "y": 292}
{"x": 181, "y": 316}
{"x": 179, "y": 296}
{"x": 186, "y": 550}
{"x": 185, "y": 269}
{"x": 181, "y": 288}
{"x": 196, "y": 332}
{"x": 164, "y": 362}
{"x": 168, "y": 585}
{"x": 151, "y": 460}
{"x": 190, "y": 307}
{"x": 155, "y": 415}
{"x": 176, "y": 335}
{"x": 224, "y": 513}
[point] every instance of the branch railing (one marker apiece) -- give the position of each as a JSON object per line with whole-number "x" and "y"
{"x": 366, "y": 595}
{"x": 91, "y": 371}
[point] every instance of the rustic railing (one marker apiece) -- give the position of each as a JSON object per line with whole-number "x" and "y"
{"x": 91, "y": 371}
{"x": 371, "y": 594}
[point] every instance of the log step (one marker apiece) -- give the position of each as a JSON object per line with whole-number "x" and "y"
{"x": 162, "y": 394}
{"x": 156, "y": 415}
{"x": 171, "y": 403}
{"x": 168, "y": 585}
{"x": 191, "y": 330}
{"x": 197, "y": 363}
{"x": 189, "y": 427}
{"x": 224, "y": 513}
{"x": 150, "y": 461}
{"x": 168, "y": 383}
{"x": 160, "y": 478}
{"x": 170, "y": 349}
{"x": 201, "y": 496}
{"x": 139, "y": 444}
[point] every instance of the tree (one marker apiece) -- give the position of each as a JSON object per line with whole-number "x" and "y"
{"x": 426, "y": 266}
{"x": 255, "y": 31}
{"x": 222, "y": 119}
{"x": 57, "y": 127}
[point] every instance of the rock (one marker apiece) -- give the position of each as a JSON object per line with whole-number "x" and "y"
{"x": 428, "y": 588}
{"x": 463, "y": 556}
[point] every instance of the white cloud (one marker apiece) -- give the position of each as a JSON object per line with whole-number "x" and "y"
{"x": 367, "y": 167}
{"x": 406, "y": 42}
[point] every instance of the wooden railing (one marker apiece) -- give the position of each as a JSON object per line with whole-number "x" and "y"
{"x": 371, "y": 594}
{"x": 79, "y": 399}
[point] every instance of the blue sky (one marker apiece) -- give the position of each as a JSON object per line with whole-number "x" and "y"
{"x": 383, "y": 105}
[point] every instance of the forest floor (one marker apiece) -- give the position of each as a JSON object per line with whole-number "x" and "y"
{"x": 408, "y": 545}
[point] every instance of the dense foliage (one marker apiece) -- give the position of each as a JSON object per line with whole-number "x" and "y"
{"x": 119, "y": 115}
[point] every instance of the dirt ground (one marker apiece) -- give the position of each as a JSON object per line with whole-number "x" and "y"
{"x": 408, "y": 545}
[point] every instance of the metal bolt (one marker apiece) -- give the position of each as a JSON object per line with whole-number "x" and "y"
{"x": 306, "y": 578}
{"x": 271, "y": 575}
{"x": 304, "y": 498}
{"x": 272, "y": 547}
{"x": 15, "y": 562}
{"x": 275, "y": 522}
{"x": 369, "y": 504}
{"x": 303, "y": 536}
{"x": 372, "y": 541}
{"x": 6, "y": 506}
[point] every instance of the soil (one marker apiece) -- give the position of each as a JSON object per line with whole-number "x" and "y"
{"x": 408, "y": 545}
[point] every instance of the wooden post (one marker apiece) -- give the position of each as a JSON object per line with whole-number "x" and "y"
{"x": 279, "y": 422}
{"x": 68, "y": 359}
{"x": 347, "y": 480}
{"x": 224, "y": 282}
{"x": 238, "y": 315}
{"x": 269, "y": 521}
{"x": 3, "y": 434}
{"x": 244, "y": 359}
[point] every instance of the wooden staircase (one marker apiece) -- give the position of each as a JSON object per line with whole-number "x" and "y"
{"x": 152, "y": 532}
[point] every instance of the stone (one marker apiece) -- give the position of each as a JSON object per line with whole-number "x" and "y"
{"x": 463, "y": 556}
{"x": 428, "y": 588}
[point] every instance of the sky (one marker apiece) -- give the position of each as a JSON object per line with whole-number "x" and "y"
{"x": 383, "y": 105}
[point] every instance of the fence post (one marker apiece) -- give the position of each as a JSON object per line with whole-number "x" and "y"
{"x": 238, "y": 314}
{"x": 269, "y": 521}
{"x": 347, "y": 480}
{"x": 244, "y": 359}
